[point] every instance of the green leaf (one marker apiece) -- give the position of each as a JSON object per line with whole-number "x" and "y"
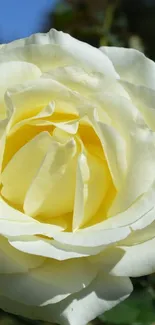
{"x": 122, "y": 313}
{"x": 138, "y": 309}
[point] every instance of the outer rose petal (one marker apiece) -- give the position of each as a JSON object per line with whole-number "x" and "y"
{"x": 138, "y": 260}
{"x": 50, "y": 283}
{"x": 144, "y": 99}
{"x": 103, "y": 293}
{"x": 48, "y": 248}
{"x": 132, "y": 65}
{"x": 140, "y": 173}
{"x": 133, "y": 260}
{"x": 41, "y": 49}
{"x": 85, "y": 82}
{"x": 13, "y": 73}
{"x": 29, "y": 99}
{"x": 14, "y": 261}
{"x": 92, "y": 238}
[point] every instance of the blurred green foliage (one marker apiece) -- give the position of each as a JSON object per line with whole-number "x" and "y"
{"x": 128, "y": 23}
{"x": 139, "y": 308}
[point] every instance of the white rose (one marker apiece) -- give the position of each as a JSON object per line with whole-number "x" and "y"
{"x": 77, "y": 152}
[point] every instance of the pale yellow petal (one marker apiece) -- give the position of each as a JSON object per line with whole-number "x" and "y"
{"x": 136, "y": 216}
{"x": 131, "y": 65}
{"x": 101, "y": 295}
{"x": 51, "y": 193}
{"x": 92, "y": 183}
{"x": 18, "y": 174}
{"x": 14, "y": 261}
{"x": 85, "y": 82}
{"x": 13, "y": 73}
{"x": 15, "y": 223}
{"x": 57, "y": 49}
{"x": 144, "y": 99}
{"x": 114, "y": 148}
{"x": 29, "y": 99}
{"x": 49, "y": 283}
{"x": 140, "y": 174}
{"x": 92, "y": 238}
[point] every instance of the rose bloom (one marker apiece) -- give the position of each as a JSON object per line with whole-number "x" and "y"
{"x": 77, "y": 195}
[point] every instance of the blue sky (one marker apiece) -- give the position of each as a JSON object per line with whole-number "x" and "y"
{"x": 20, "y": 18}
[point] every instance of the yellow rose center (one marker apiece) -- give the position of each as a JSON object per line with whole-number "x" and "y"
{"x": 42, "y": 173}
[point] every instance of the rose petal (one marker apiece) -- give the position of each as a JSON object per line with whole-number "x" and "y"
{"x": 28, "y": 100}
{"x": 14, "y": 261}
{"x": 140, "y": 173}
{"x": 104, "y": 293}
{"x": 15, "y": 223}
{"x": 138, "y": 215}
{"x": 88, "y": 197}
{"x": 85, "y": 82}
{"x": 19, "y": 172}
{"x": 131, "y": 65}
{"x": 50, "y": 283}
{"x": 42, "y": 49}
{"x": 114, "y": 148}
{"x": 13, "y": 73}
{"x": 138, "y": 260}
{"x": 47, "y": 248}
{"x": 93, "y": 238}
{"x": 143, "y": 98}
{"x": 54, "y": 182}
